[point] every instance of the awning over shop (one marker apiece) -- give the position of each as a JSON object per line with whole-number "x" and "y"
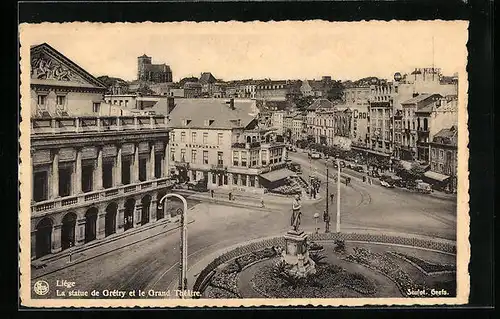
{"x": 277, "y": 175}
{"x": 435, "y": 176}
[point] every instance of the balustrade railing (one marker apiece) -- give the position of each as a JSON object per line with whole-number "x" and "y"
{"x": 104, "y": 194}
{"x": 88, "y": 124}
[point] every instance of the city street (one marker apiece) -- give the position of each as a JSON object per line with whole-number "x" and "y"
{"x": 153, "y": 263}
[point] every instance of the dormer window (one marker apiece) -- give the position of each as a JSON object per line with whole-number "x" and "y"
{"x": 208, "y": 122}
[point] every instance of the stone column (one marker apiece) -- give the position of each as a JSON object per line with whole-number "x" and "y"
{"x": 165, "y": 171}
{"x": 152, "y": 162}
{"x": 80, "y": 232}
{"x": 56, "y": 239}
{"x": 118, "y": 167}
{"x": 257, "y": 182}
{"x": 55, "y": 175}
{"x": 135, "y": 165}
{"x": 120, "y": 215}
{"x": 98, "y": 171}
{"x": 101, "y": 224}
{"x": 153, "y": 208}
{"x": 138, "y": 215}
{"x": 78, "y": 171}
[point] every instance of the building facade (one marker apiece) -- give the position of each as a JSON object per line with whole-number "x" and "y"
{"x": 92, "y": 176}
{"x": 272, "y": 90}
{"x": 444, "y": 159}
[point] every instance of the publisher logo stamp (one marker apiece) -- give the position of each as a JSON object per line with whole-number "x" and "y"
{"x": 41, "y": 287}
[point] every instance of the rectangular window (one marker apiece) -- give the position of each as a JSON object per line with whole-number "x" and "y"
{"x": 126, "y": 171}
{"x": 172, "y": 137}
{"x": 172, "y": 155}
{"x": 65, "y": 174}
{"x": 41, "y": 99}
{"x": 193, "y": 137}
{"x": 219, "y": 138}
{"x": 243, "y": 180}
{"x": 244, "y": 159}
{"x": 205, "y": 138}
{"x": 61, "y": 100}
{"x": 235, "y": 179}
{"x": 96, "y": 107}
{"x": 183, "y": 155}
{"x": 264, "y": 158}
{"x": 107, "y": 174}
{"x": 142, "y": 169}
{"x": 214, "y": 178}
{"x": 220, "y": 158}
{"x": 158, "y": 164}
{"x": 236, "y": 158}
{"x": 40, "y": 186}
{"x": 183, "y": 137}
{"x": 193, "y": 156}
{"x": 205, "y": 157}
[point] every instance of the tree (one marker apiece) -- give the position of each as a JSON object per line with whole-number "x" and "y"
{"x": 145, "y": 90}
{"x": 417, "y": 171}
{"x": 302, "y": 102}
{"x": 335, "y": 93}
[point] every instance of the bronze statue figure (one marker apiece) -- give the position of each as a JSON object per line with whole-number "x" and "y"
{"x": 296, "y": 214}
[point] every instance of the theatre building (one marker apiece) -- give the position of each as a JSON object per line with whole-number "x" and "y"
{"x": 92, "y": 176}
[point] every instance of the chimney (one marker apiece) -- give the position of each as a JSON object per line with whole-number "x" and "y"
{"x": 170, "y": 105}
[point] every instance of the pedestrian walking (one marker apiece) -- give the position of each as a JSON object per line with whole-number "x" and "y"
{"x": 212, "y": 193}
{"x": 331, "y": 197}
{"x": 326, "y": 219}
{"x": 230, "y": 196}
{"x": 262, "y": 202}
{"x": 364, "y": 178}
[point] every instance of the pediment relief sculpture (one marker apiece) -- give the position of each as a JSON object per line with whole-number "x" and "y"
{"x": 44, "y": 67}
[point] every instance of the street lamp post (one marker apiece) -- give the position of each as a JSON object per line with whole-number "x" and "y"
{"x": 183, "y": 261}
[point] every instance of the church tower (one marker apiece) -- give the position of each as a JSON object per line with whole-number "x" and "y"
{"x": 142, "y": 61}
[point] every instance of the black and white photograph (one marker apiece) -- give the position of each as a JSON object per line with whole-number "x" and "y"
{"x": 244, "y": 163}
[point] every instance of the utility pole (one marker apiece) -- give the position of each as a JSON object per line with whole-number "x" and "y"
{"x": 327, "y": 182}
{"x": 338, "y": 196}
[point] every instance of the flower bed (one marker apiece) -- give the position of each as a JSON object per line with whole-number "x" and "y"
{"x": 425, "y": 266}
{"x": 225, "y": 279}
{"x": 314, "y": 247}
{"x": 383, "y": 264}
{"x": 217, "y": 293}
{"x": 329, "y": 281}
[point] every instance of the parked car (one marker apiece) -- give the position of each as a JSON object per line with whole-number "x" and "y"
{"x": 424, "y": 188}
{"x": 358, "y": 168}
{"x": 314, "y": 155}
{"x": 386, "y": 184}
{"x": 199, "y": 186}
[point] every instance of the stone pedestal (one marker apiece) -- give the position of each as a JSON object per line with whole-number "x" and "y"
{"x": 296, "y": 254}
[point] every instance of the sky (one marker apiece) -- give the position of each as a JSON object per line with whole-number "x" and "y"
{"x": 276, "y": 50}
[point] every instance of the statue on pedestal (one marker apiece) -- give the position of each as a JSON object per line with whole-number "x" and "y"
{"x": 296, "y": 214}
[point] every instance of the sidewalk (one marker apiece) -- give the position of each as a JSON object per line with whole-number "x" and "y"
{"x": 79, "y": 254}
{"x": 243, "y": 199}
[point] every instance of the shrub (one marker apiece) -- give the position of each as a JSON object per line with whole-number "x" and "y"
{"x": 339, "y": 246}
{"x": 318, "y": 259}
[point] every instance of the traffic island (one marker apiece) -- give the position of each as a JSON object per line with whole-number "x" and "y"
{"x": 346, "y": 266}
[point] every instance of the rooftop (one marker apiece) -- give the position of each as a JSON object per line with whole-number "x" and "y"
{"x": 420, "y": 98}
{"x": 320, "y": 104}
{"x": 197, "y": 111}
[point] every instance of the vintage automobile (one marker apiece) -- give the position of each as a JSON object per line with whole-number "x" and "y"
{"x": 199, "y": 186}
{"x": 314, "y": 155}
{"x": 358, "y": 168}
{"x": 386, "y": 184}
{"x": 423, "y": 188}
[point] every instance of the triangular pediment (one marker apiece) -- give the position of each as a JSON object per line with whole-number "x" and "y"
{"x": 50, "y": 67}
